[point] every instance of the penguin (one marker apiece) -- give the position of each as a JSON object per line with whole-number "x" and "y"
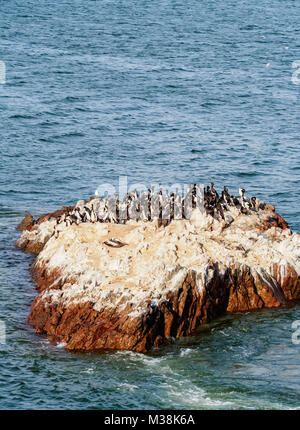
{"x": 214, "y": 192}
{"x": 166, "y": 209}
{"x": 154, "y": 207}
{"x": 160, "y": 203}
{"x": 194, "y": 196}
{"x": 77, "y": 216}
{"x": 144, "y": 208}
{"x": 136, "y": 194}
{"x": 220, "y": 210}
{"x": 235, "y": 202}
{"x": 149, "y": 198}
{"x": 117, "y": 207}
{"x": 87, "y": 213}
{"x": 68, "y": 222}
{"x": 241, "y": 193}
{"x": 243, "y": 201}
{"x": 84, "y": 215}
{"x": 224, "y": 201}
{"x": 100, "y": 209}
{"x": 172, "y": 200}
{"x": 253, "y": 202}
{"x": 73, "y": 219}
{"x": 226, "y": 196}
{"x": 93, "y": 217}
{"x": 177, "y": 205}
{"x": 123, "y": 211}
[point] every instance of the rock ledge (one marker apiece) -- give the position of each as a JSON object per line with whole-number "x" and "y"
{"x": 164, "y": 281}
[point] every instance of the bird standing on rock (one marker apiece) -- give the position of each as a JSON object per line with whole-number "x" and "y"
{"x": 161, "y": 205}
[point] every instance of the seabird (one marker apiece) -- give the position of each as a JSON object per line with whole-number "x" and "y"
{"x": 87, "y": 213}
{"x": 160, "y": 205}
{"x": 93, "y": 217}
{"x": 253, "y": 202}
{"x": 77, "y": 216}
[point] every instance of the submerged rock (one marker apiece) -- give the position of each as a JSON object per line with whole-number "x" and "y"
{"x": 158, "y": 281}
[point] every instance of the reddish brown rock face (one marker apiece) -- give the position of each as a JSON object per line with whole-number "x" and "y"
{"x": 83, "y": 328}
{"x": 26, "y": 223}
{"x": 287, "y": 277}
{"x": 249, "y": 292}
{"x": 164, "y": 283}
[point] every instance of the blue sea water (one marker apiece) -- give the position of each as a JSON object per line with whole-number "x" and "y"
{"x": 160, "y": 91}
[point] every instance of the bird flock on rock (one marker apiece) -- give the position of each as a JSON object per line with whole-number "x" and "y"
{"x": 162, "y": 206}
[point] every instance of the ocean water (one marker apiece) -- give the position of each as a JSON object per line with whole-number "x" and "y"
{"x": 159, "y": 91}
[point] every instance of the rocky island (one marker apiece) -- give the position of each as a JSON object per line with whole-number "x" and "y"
{"x": 131, "y": 285}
